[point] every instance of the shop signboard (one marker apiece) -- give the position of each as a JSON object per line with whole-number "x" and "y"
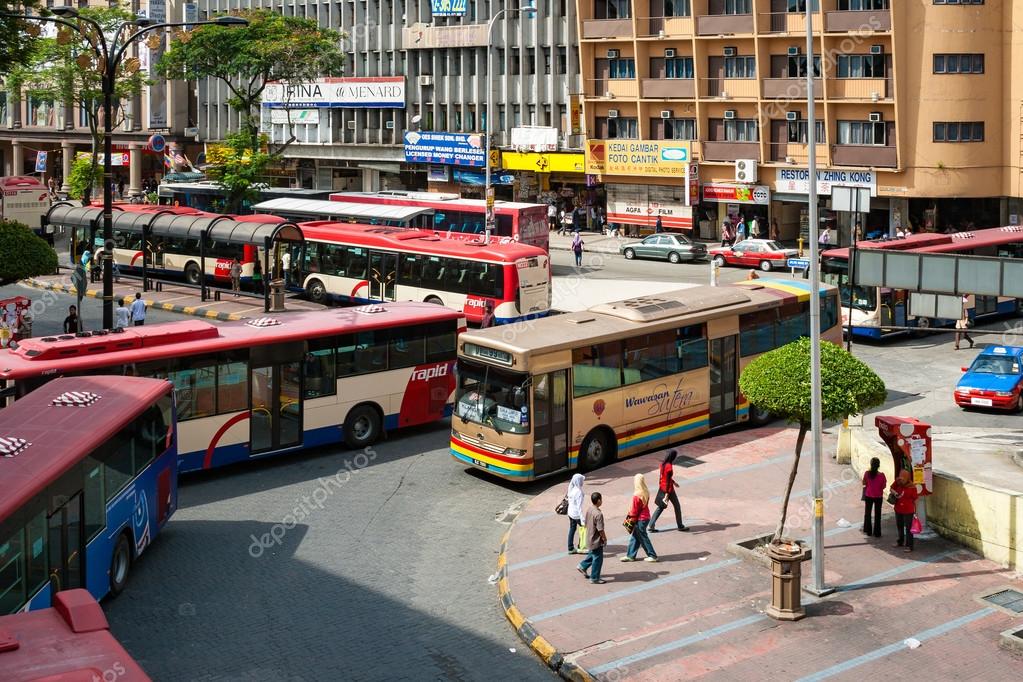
{"x": 447, "y": 8}
{"x": 534, "y": 139}
{"x": 648, "y": 158}
{"x": 693, "y": 184}
{"x": 452, "y": 149}
{"x": 642, "y": 204}
{"x": 797, "y": 180}
{"x": 543, "y": 163}
{"x": 740, "y": 194}
{"x": 337, "y": 93}
{"x": 295, "y": 116}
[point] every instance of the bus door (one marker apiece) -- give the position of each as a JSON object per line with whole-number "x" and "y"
{"x": 383, "y": 275}
{"x": 723, "y": 379}
{"x": 550, "y": 422}
{"x": 66, "y": 541}
{"x": 275, "y": 378}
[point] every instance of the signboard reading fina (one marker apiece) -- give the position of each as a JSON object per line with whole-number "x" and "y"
{"x": 334, "y": 93}
{"x": 450, "y": 149}
{"x": 656, "y": 158}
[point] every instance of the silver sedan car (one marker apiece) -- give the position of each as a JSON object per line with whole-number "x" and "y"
{"x": 675, "y": 248}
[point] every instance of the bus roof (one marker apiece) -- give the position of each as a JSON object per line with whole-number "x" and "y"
{"x": 56, "y": 437}
{"x": 418, "y": 241}
{"x": 438, "y": 200}
{"x": 609, "y": 321}
{"x": 69, "y": 642}
{"x": 60, "y": 355}
{"x": 20, "y": 182}
{"x": 934, "y": 242}
{"x": 340, "y": 208}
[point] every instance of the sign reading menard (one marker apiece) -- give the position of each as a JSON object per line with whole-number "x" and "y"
{"x": 329, "y": 93}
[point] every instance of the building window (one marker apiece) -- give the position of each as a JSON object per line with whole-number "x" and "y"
{"x": 958, "y": 63}
{"x": 612, "y": 9}
{"x": 958, "y": 2}
{"x": 547, "y": 115}
{"x": 737, "y": 7}
{"x": 959, "y": 132}
{"x": 862, "y": 132}
{"x": 740, "y": 67}
{"x": 547, "y": 61}
{"x": 562, "y": 61}
{"x": 501, "y": 67}
{"x": 800, "y": 6}
{"x": 515, "y": 68}
{"x": 673, "y": 128}
{"x": 798, "y": 132}
{"x": 622, "y": 68}
{"x": 617, "y": 128}
{"x": 531, "y": 61}
{"x": 679, "y": 67}
{"x": 796, "y": 66}
{"x": 675, "y": 8}
{"x": 866, "y": 5}
{"x": 734, "y": 130}
{"x": 861, "y": 66}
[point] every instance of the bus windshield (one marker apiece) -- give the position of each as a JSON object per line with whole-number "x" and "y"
{"x": 863, "y": 298}
{"x": 492, "y": 397}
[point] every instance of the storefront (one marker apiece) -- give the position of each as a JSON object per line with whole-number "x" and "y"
{"x": 790, "y": 205}
{"x": 540, "y": 173}
{"x": 731, "y": 201}
{"x": 635, "y": 208}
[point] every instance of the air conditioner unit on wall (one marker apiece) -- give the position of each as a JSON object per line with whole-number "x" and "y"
{"x": 612, "y": 113}
{"x": 877, "y": 49}
{"x": 666, "y": 113}
{"x": 425, "y": 81}
{"x": 389, "y": 125}
{"x": 613, "y": 54}
{"x": 746, "y": 170}
{"x": 876, "y": 117}
{"x": 351, "y": 124}
{"x": 669, "y": 53}
{"x": 730, "y": 51}
{"x": 793, "y": 51}
{"x": 729, "y": 114}
{"x": 791, "y": 116}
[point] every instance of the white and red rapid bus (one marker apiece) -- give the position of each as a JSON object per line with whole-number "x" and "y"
{"x": 24, "y": 199}
{"x": 368, "y": 263}
{"x": 457, "y": 217}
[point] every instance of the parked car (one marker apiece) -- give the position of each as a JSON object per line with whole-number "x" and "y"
{"x": 995, "y": 380}
{"x": 765, "y": 254}
{"x": 675, "y": 248}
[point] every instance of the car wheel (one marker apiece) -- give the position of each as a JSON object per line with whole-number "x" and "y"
{"x": 362, "y": 427}
{"x": 720, "y": 261}
{"x": 1019, "y": 402}
{"x": 765, "y": 265}
{"x": 674, "y": 258}
{"x": 629, "y": 254}
{"x": 595, "y": 451}
{"x": 192, "y": 273}
{"x": 316, "y": 291}
{"x": 120, "y": 565}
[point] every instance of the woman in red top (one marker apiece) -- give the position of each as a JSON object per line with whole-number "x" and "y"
{"x": 905, "y": 508}
{"x": 666, "y": 489}
{"x": 640, "y": 514}
{"x": 874, "y": 483}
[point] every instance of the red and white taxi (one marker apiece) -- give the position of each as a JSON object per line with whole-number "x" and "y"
{"x": 765, "y": 254}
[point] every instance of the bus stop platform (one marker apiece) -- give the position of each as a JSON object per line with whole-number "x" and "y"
{"x": 699, "y": 612}
{"x": 173, "y": 297}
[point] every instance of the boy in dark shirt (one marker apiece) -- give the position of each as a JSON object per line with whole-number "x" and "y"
{"x": 597, "y": 540}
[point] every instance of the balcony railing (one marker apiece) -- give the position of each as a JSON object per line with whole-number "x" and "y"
{"x": 797, "y": 153}
{"x": 787, "y": 22}
{"x": 613, "y": 88}
{"x": 791, "y": 88}
{"x": 668, "y": 27}
{"x": 730, "y": 151}
{"x": 668, "y": 88}
{"x": 859, "y": 88}
{"x": 730, "y": 88}
{"x": 724, "y": 24}
{"x": 859, "y": 21}
{"x": 867, "y": 155}
{"x": 607, "y": 28}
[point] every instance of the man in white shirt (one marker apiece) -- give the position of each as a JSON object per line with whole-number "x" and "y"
{"x": 138, "y": 310}
{"x": 122, "y": 316}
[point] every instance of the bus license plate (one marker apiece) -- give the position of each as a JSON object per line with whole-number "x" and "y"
{"x": 983, "y": 402}
{"x": 480, "y": 464}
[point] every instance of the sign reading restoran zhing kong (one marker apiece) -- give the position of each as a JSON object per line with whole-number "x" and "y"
{"x": 330, "y": 93}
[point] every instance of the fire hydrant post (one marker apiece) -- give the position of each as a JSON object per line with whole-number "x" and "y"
{"x": 786, "y": 578}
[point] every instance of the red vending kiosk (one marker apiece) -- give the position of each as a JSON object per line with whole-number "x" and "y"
{"x": 909, "y": 441}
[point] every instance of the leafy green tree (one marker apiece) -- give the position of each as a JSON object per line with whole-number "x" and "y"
{"x": 779, "y": 382}
{"x": 83, "y": 177}
{"x": 245, "y": 58}
{"x": 16, "y": 36}
{"x": 238, "y": 169}
{"x": 23, "y": 254}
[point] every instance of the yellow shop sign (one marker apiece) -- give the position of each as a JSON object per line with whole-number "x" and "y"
{"x": 541, "y": 162}
{"x": 653, "y": 158}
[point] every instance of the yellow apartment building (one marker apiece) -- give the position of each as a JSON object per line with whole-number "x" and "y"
{"x": 915, "y": 100}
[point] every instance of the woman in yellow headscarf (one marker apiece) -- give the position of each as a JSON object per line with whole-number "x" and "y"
{"x": 639, "y": 514}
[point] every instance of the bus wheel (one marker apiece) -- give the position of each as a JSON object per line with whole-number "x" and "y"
{"x": 434, "y": 300}
{"x": 192, "y": 273}
{"x": 362, "y": 426}
{"x": 120, "y": 565}
{"x": 595, "y": 451}
{"x": 759, "y": 416}
{"x": 316, "y": 292}
{"x": 923, "y": 325}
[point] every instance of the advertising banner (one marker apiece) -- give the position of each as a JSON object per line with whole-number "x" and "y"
{"x": 447, "y": 8}
{"x": 643, "y": 204}
{"x": 336, "y": 93}
{"x": 295, "y": 116}
{"x": 534, "y": 139}
{"x": 650, "y": 158}
{"x": 158, "y": 89}
{"x": 741, "y": 194}
{"x": 797, "y": 180}
{"x": 451, "y": 149}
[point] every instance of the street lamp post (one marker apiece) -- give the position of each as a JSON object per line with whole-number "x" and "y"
{"x": 109, "y": 53}
{"x": 527, "y": 8}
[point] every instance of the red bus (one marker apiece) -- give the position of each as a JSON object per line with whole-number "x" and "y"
{"x": 268, "y": 386}
{"x": 521, "y": 222}
{"x": 70, "y": 642}
{"x": 26, "y": 200}
{"x": 365, "y": 263}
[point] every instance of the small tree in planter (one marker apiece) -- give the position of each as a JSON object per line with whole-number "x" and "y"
{"x": 779, "y": 382}
{"x": 23, "y": 254}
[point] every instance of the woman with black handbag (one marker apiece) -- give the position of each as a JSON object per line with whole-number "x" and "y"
{"x": 574, "y": 510}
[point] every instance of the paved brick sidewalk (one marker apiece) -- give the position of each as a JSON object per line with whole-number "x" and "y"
{"x": 699, "y": 611}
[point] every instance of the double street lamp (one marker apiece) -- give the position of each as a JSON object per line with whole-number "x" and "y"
{"x": 109, "y": 53}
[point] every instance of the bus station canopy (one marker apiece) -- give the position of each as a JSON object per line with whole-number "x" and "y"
{"x": 363, "y": 213}
{"x": 170, "y": 224}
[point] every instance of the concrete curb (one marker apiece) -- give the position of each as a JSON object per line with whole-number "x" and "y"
{"x": 194, "y": 311}
{"x": 527, "y": 632}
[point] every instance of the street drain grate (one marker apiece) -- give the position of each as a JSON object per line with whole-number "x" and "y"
{"x": 1010, "y": 600}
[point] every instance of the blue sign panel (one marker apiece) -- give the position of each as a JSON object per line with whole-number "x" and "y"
{"x": 450, "y": 149}
{"x": 799, "y": 263}
{"x": 447, "y": 8}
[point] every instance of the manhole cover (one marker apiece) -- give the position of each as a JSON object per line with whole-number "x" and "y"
{"x": 1010, "y": 600}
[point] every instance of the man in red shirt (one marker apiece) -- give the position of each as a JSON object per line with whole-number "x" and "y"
{"x": 666, "y": 489}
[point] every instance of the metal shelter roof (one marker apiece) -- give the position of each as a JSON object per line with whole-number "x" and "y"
{"x": 340, "y": 209}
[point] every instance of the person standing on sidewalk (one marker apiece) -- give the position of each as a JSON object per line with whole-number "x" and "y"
{"x": 639, "y": 514}
{"x": 122, "y": 316}
{"x": 577, "y": 248}
{"x": 236, "y": 276}
{"x": 874, "y": 483}
{"x": 138, "y": 310}
{"x": 72, "y": 325}
{"x": 666, "y": 489}
{"x": 963, "y": 324}
{"x": 905, "y": 508}
{"x": 552, "y": 216}
{"x": 575, "y": 508}
{"x": 594, "y": 560}
{"x": 727, "y": 236}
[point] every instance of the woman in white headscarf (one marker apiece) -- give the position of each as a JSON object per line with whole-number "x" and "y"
{"x": 575, "y": 509}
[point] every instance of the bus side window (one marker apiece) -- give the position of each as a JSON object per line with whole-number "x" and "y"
{"x": 407, "y": 347}
{"x": 357, "y": 263}
{"x": 408, "y": 270}
{"x": 440, "y": 342}
{"x": 345, "y": 357}
{"x": 596, "y": 368}
{"x": 692, "y": 347}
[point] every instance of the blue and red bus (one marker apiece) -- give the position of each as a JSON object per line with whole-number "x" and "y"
{"x": 89, "y": 472}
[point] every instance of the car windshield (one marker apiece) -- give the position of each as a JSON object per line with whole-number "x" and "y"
{"x": 995, "y": 364}
{"x": 682, "y": 239}
{"x": 492, "y": 397}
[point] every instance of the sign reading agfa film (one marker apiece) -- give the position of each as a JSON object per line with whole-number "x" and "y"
{"x": 447, "y": 8}
{"x": 656, "y": 158}
{"x": 450, "y": 149}
{"x": 335, "y": 93}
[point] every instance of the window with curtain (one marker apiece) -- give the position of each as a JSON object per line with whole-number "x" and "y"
{"x": 798, "y": 132}
{"x": 741, "y": 130}
{"x": 861, "y": 66}
{"x": 679, "y": 67}
{"x": 864, "y": 5}
{"x": 741, "y": 67}
{"x": 679, "y": 129}
{"x": 862, "y": 133}
{"x": 622, "y": 68}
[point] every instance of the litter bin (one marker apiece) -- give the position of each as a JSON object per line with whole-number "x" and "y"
{"x": 277, "y": 296}
{"x": 786, "y": 578}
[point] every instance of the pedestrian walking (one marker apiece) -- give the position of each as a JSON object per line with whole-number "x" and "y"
{"x": 236, "y": 277}
{"x": 658, "y": 226}
{"x": 727, "y": 235}
{"x": 577, "y": 248}
{"x": 488, "y": 316}
{"x": 552, "y": 215}
{"x": 963, "y": 324}
{"x": 754, "y": 228}
{"x": 72, "y": 324}
{"x": 874, "y": 483}
{"x": 122, "y": 316}
{"x": 120, "y": 187}
{"x": 740, "y": 230}
{"x": 575, "y": 509}
{"x": 138, "y": 310}
{"x": 566, "y": 222}
{"x": 666, "y": 493}
{"x": 639, "y": 518}
{"x": 904, "y": 494}
{"x": 594, "y": 523}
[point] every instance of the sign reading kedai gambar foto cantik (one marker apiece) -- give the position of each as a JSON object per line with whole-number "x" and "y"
{"x": 330, "y": 93}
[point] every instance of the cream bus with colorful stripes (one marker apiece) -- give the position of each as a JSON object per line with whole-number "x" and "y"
{"x": 584, "y": 389}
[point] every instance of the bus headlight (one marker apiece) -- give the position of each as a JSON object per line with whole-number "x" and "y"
{"x": 514, "y": 452}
